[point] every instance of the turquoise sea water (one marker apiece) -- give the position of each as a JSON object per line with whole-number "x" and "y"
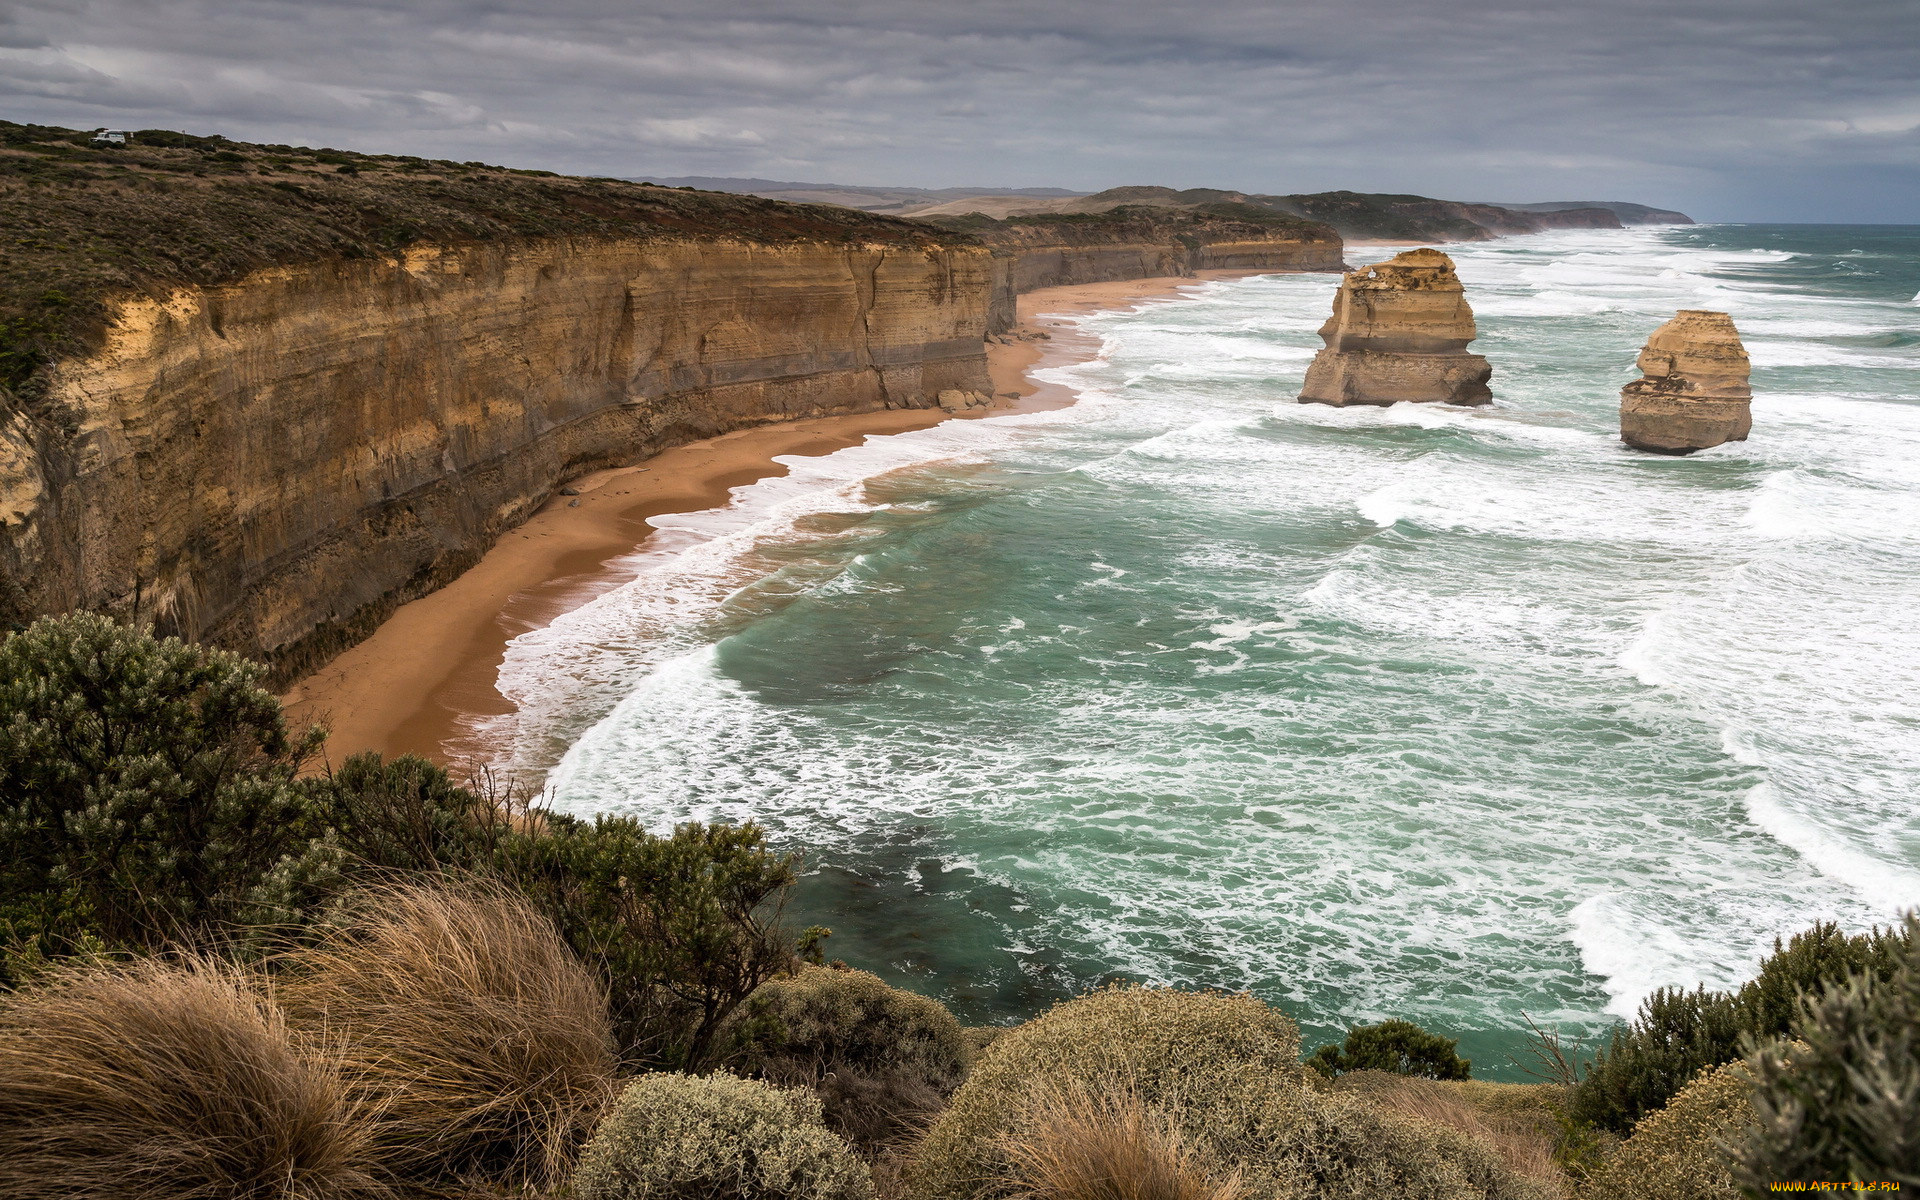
{"x": 1424, "y": 712}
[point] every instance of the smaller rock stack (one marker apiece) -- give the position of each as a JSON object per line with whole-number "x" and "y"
{"x": 1695, "y": 393}
{"x": 1399, "y": 331}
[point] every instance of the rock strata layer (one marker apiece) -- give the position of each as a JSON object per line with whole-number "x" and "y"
{"x": 273, "y": 464}
{"x": 1695, "y": 394}
{"x": 1142, "y": 243}
{"x": 1399, "y": 331}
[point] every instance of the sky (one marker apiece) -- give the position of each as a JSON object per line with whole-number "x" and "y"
{"x": 1746, "y": 110}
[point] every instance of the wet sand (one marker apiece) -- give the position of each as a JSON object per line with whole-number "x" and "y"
{"x": 417, "y": 683}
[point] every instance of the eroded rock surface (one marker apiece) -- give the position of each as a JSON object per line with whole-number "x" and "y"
{"x": 272, "y": 465}
{"x": 1695, "y": 394}
{"x": 1399, "y": 331}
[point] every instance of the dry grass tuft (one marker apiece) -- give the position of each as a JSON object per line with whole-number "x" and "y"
{"x": 1075, "y": 1143}
{"x": 167, "y": 1080}
{"x": 476, "y": 1045}
{"x": 1522, "y": 1135}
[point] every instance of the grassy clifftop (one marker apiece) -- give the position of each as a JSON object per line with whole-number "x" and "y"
{"x": 78, "y": 223}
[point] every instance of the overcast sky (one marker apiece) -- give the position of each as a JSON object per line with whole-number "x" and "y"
{"x": 1732, "y": 109}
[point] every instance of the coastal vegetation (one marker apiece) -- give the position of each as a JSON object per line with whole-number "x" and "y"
{"x": 389, "y": 984}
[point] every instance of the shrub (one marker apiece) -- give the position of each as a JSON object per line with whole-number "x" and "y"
{"x": 407, "y": 815}
{"x": 166, "y": 1080}
{"x": 679, "y": 1137}
{"x": 1847, "y": 1104}
{"x": 1399, "y": 1047}
{"x": 1683, "y": 1151}
{"x": 1810, "y": 963}
{"x": 1678, "y": 1034}
{"x": 1227, "y": 1070}
{"x": 1076, "y": 1143}
{"x": 878, "y": 1057}
{"x": 683, "y": 928}
{"x": 146, "y": 785}
{"x": 477, "y": 1046}
{"x": 1522, "y": 1123}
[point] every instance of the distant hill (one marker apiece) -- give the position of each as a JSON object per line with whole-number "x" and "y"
{"x": 892, "y": 200}
{"x": 1358, "y": 216}
{"x": 1629, "y": 214}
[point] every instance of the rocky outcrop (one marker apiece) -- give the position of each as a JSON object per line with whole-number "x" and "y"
{"x": 1695, "y": 394}
{"x": 272, "y": 464}
{"x": 1399, "y": 331}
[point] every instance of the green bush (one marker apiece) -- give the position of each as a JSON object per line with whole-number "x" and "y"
{"x": 406, "y": 816}
{"x": 1226, "y": 1069}
{"x": 1845, "y": 1105}
{"x": 682, "y": 928}
{"x": 679, "y": 1137}
{"x": 1399, "y": 1047}
{"x": 146, "y": 786}
{"x": 877, "y": 1056}
{"x": 1683, "y": 1151}
{"x": 1679, "y": 1034}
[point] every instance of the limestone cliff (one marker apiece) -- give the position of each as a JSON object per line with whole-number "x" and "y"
{"x": 271, "y": 457}
{"x": 1142, "y": 243}
{"x": 1695, "y": 393}
{"x": 1399, "y": 331}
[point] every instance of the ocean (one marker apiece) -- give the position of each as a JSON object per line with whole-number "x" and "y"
{"x": 1460, "y": 716}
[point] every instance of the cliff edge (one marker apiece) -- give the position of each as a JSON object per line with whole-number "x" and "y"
{"x": 1140, "y": 242}
{"x": 261, "y": 395}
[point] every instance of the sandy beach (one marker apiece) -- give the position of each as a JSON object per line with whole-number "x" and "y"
{"x": 431, "y": 667}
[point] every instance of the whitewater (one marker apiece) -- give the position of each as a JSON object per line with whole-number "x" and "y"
{"x": 1447, "y": 714}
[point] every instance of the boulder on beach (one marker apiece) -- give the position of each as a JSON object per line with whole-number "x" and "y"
{"x": 1399, "y": 331}
{"x": 1695, "y": 392}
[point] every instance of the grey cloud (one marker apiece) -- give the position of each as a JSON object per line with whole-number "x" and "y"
{"x": 1739, "y": 108}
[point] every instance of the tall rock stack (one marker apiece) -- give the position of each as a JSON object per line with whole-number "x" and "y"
{"x": 1399, "y": 331}
{"x": 1695, "y": 393}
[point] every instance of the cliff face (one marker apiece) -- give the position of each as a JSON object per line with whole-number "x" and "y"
{"x": 1132, "y": 243}
{"x": 272, "y": 464}
{"x": 1695, "y": 393}
{"x": 1399, "y": 331}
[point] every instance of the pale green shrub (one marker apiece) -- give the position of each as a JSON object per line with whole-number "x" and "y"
{"x": 879, "y": 1057}
{"x": 717, "y": 1137}
{"x": 1685, "y": 1150}
{"x": 1225, "y": 1069}
{"x": 1844, "y": 1103}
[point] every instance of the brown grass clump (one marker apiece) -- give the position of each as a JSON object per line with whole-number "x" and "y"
{"x": 167, "y": 1080}
{"x": 1077, "y": 1143}
{"x": 1512, "y": 1119}
{"x": 477, "y": 1046}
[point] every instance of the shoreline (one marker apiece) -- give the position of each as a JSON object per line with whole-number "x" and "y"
{"x": 430, "y": 669}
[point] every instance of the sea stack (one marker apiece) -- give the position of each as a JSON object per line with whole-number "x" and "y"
{"x": 1399, "y": 331}
{"x": 1695, "y": 393}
